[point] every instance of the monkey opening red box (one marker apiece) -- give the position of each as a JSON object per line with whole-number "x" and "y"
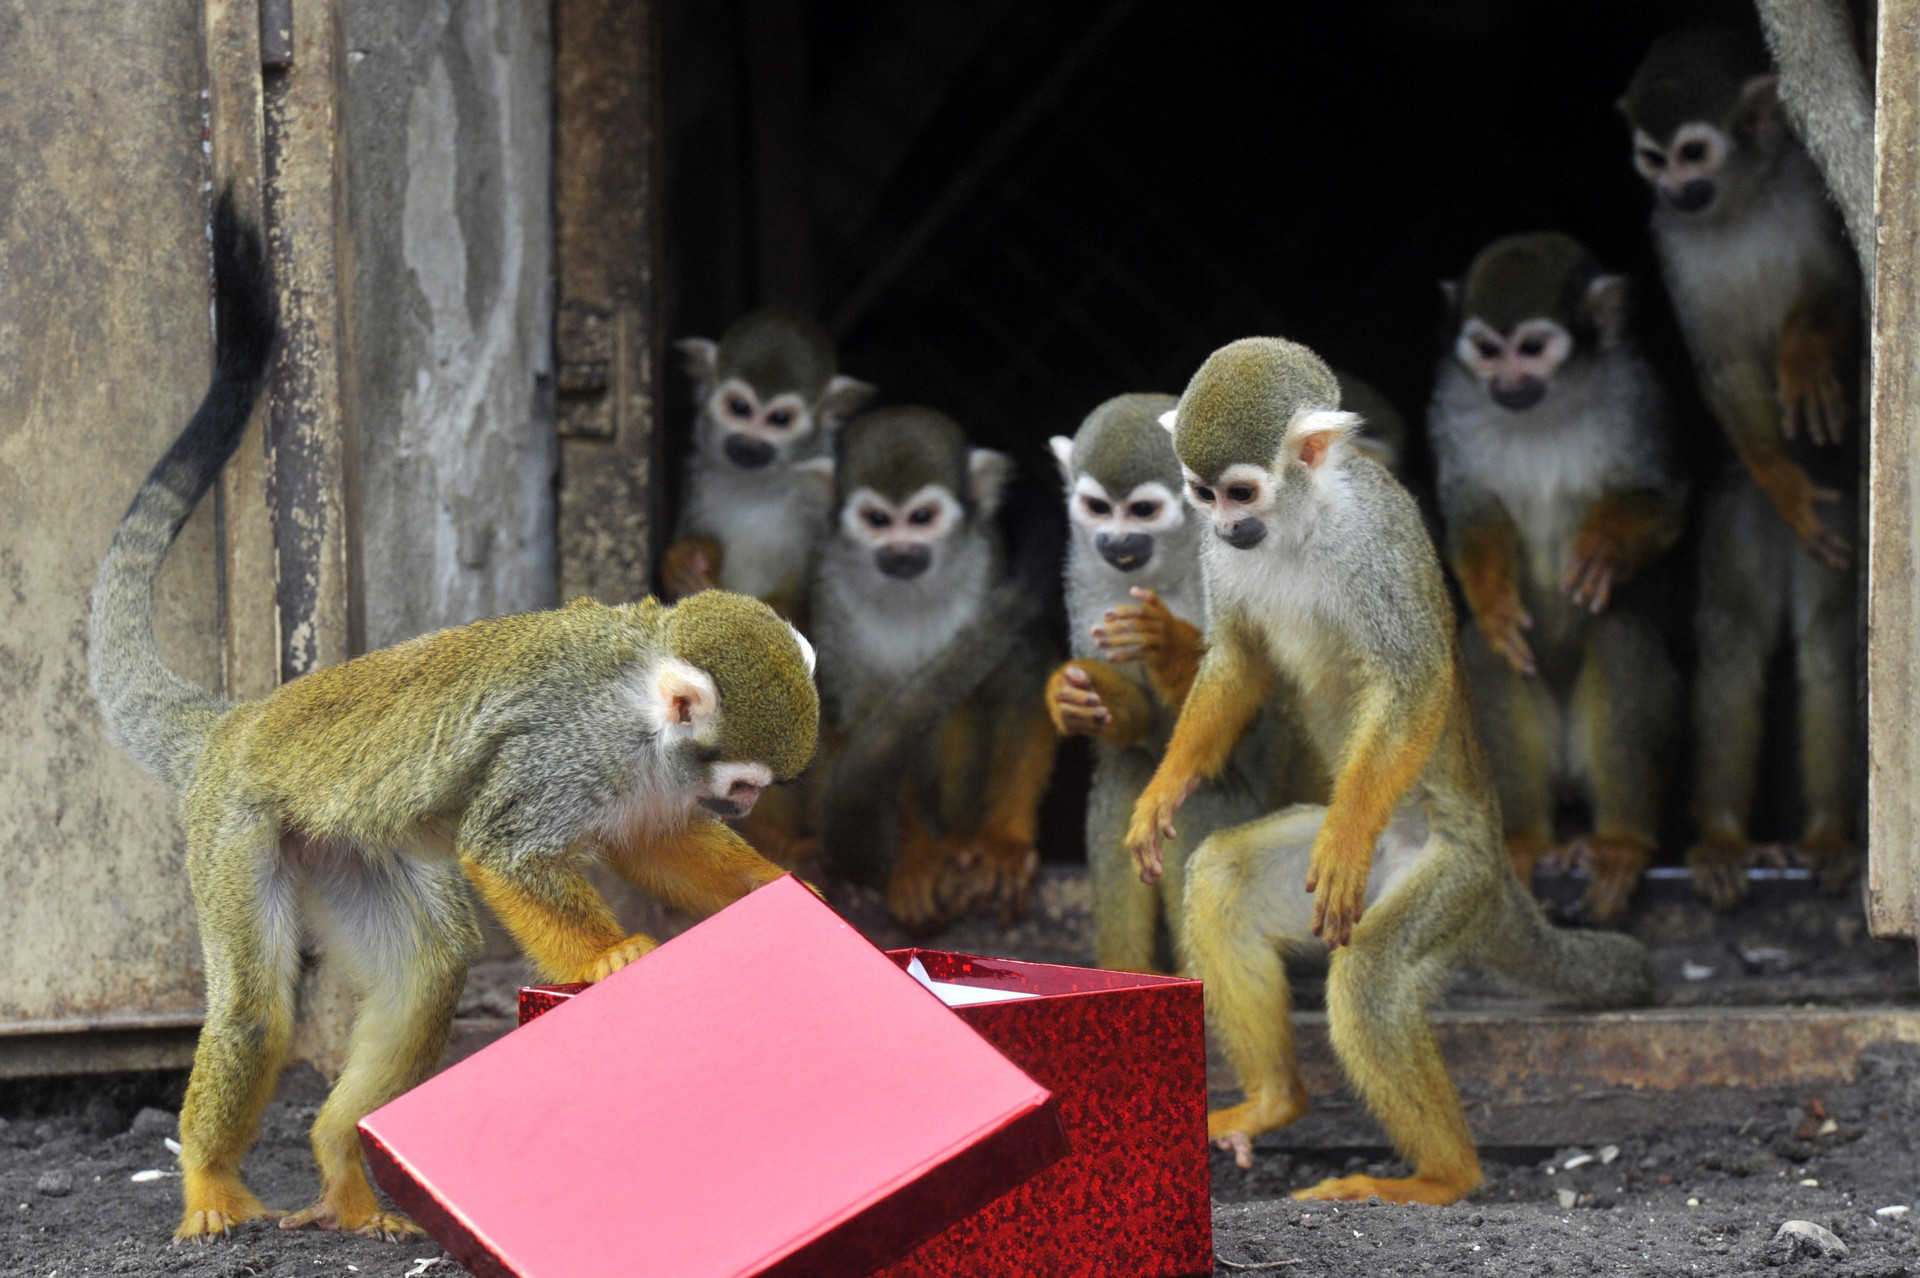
{"x": 1125, "y": 1057}
{"x": 766, "y": 1093}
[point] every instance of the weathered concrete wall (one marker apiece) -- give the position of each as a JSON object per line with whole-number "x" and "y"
{"x": 449, "y": 141}
{"x": 103, "y": 354}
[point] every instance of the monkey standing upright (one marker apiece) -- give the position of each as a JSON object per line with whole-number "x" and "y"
{"x": 1320, "y": 572}
{"x": 769, "y": 397}
{"x": 1766, "y": 293}
{"x": 913, "y": 557}
{"x": 1135, "y": 604}
{"x": 1548, "y": 429}
{"x": 349, "y": 801}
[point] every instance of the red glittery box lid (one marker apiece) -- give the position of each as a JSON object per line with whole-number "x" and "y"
{"x": 765, "y": 1094}
{"x": 1125, "y": 1056}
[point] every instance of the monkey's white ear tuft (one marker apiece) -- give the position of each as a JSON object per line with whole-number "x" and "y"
{"x": 1758, "y": 109}
{"x": 683, "y": 699}
{"x": 1168, "y": 418}
{"x": 806, "y": 649}
{"x": 988, "y": 471}
{"x": 817, "y": 471}
{"x": 1311, "y": 435}
{"x": 843, "y": 397}
{"x": 1063, "y": 453}
{"x": 700, "y": 358}
{"x": 1450, "y": 297}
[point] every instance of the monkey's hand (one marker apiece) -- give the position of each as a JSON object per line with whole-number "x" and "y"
{"x": 1798, "y": 499}
{"x": 689, "y": 566}
{"x": 1808, "y": 376}
{"x": 1153, "y": 821}
{"x": 1502, "y": 620}
{"x": 991, "y": 872}
{"x": 1149, "y": 632}
{"x": 615, "y": 957}
{"x": 1600, "y": 562}
{"x": 1074, "y": 705}
{"x": 1338, "y": 881}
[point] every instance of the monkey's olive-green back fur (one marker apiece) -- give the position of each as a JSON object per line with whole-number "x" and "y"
{"x": 1238, "y": 406}
{"x": 1123, "y": 445}
{"x": 898, "y": 451}
{"x": 1523, "y": 277}
{"x": 1693, "y": 75}
{"x": 777, "y": 350}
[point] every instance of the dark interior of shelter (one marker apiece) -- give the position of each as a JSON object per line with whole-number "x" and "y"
{"x": 1012, "y": 211}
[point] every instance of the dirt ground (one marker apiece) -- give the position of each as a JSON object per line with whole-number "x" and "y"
{"x": 1689, "y": 1183}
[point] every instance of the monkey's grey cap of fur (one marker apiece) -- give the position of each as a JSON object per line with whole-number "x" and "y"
{"x": 777, "y": 350}
{"x": 1123, "y": 445}
{"x": 1238, "y": 406}
{"x": 898, "y": 450}
{"x": 1692, "y": 75}
{"x": 1525, "y": 277}
{"x": 769, "y": 709}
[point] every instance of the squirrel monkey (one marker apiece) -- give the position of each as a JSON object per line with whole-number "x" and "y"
{"x": 348, "y": 802}
{"x": 1767, "y": 296}
{"x": 769, "y": 397}
{"x": 1320, "y": 573}
{"x": 908, "y": 574}
{"x": 1135, "y": 605}
{"x": 1547, "y": 427}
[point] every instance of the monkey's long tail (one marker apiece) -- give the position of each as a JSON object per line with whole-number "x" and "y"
{"x": 152, "y": 713}
{"x": 1581, "y": 968}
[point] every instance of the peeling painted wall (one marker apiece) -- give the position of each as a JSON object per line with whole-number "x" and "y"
{"x": 449, "y": 142}
{"x": 103, "y": 354}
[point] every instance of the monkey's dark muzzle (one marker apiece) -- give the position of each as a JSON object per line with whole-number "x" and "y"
{"x": 1692, "y": 197}
{"x": 746, "y": 452}
{"x": 1126, "y": 552}
{"x": 904, "y": 562}
{"x": 1244, "y": 535}
{"x": 1519, "y": 395}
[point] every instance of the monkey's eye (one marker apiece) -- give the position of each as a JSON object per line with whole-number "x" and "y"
{"x": 1653, "y": 159}
{"x": 1693, "y": 152}
{"x": 780, "y": 417}
{"x": 877, "y": 518}
{"x": 739, "y": 407}
{"x": 1533, "y": 346}
{"x": 922, "y": 517}
{"x": 1144, "y": 509}
{"x": 1488, "y": 350}
{"x": 1099, "y": 507}
{"x": 1204, "y": 494}
{"x": 1241, "y": 493}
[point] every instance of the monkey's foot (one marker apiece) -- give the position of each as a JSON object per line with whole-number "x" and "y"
{"x": 991, "y": 874}
{"x": 1527, "y": 851}
{"x": 1434, "y": 1191}
{"x": 1833, "y": 860}
{"x": 1719, "y": 869}
{"x": 1613, "y": 876}
{"x": 1235, "y": 1127}
{"x": 913, "y": 895}
{"x": 216, "y": 1205}
{"x": 615, "y": 957}
{"x": 365, "y": 1219}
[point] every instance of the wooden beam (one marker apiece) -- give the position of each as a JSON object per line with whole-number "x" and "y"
{"x": 1893, "y": 592}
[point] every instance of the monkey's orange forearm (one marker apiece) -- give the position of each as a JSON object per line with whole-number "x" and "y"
{"x": 561, "y": 923}
{"x": 702, "y": 868}
{"x": 1017, "y": 776}
{"x": 1385, "y": 758}
{"x": 1233, "y": 680}
{"x": 1129, "y": 716}
{"x": 1630, "y": 529}
{"x": 1816, "y": 341}
{"x": 1486, "y": 559}
{"x": 1173, "y": 667}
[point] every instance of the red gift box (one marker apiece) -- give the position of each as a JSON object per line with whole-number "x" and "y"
{"x": 1125, "y": 1056}
{"x": 764, "y": 1094}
